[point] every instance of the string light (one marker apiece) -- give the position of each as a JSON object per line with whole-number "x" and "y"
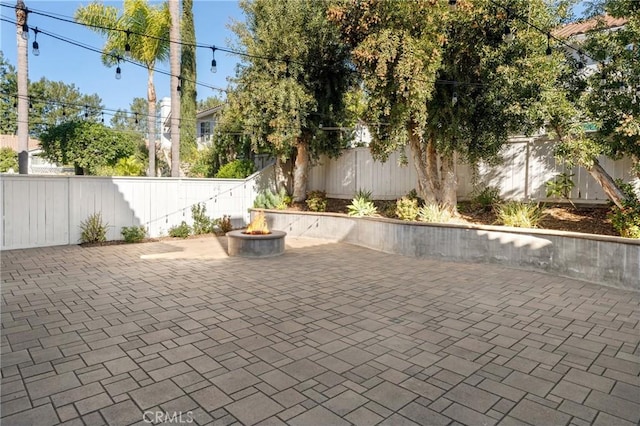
{"x": 25, "y": 31}
{"x": 35, "y": 45}
{"x": 548, "y": 51}
{"x": 452, "y": 4}
{"x": 127, "y": 46}
{"x": 214, "y": 64}
{"x": 118, "y": 70}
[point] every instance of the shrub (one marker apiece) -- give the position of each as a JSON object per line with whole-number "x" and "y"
{"x": 271, "y": 200}
{"x": 317, "y": 201}
{"x": 434, "y": 213}
{"x": 520, "y": 214}
{"x": 224, "y": 224}
{"x": 486, "y": 198}
{"x": 626, "y": 221}
{"x": 133, "y": 234}
{"x": 8, "y": 160}
{"x": 361, "y": 207}
{"x": 237, "y": 169}
{"x": 180, "y": 231}
{"x": 560, "y": 186}
{"x": 201, "y": 223}
{"x": 129, "y": 166}
{"x": 407, "y": 208}
{"x": 93, "y": 230}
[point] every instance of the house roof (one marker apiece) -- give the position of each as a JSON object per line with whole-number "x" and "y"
{"x": 209, "y": 111}
{"x": 583, "y": 27}
{"x": 11, "y": 141}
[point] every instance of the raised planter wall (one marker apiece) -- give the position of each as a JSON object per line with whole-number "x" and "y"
{"x": 609, "y": 261}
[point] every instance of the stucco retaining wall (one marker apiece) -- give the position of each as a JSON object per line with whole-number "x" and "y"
{"x": 604, "y": 260}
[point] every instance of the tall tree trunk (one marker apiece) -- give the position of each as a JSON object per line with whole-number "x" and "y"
{"x": 606, "y": 182}
{"x": 188, "y": 99}
{"x": 301, "y": 171}
{"x": 23, "y": 90}
{"x": 151, "y": 122}
{"x": 174, "y": 55}
{"x": 437, "y": 180}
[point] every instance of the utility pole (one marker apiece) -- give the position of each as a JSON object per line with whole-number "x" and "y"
{"x": 174, "y": 58}
{"x": 22, "y": 34}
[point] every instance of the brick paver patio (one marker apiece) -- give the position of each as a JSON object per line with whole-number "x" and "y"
{"x": 326, "y": 334}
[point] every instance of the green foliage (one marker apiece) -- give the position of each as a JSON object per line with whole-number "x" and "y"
{"x": 434, "y": 213}
{"x": 364, "y": 194}
{"x": 271, "y": 200}
{"x": 520, "y": 214}
{"x": 486, "y": 198}
{"x": 188, "y": 95}
{"x": 361, "y": 207}
{"x": 626, "y": 220}
{"x": 87, "y": 145}
{"x": 317, "y": 201}
{"x": 8, "y": 160}
{"x": 202, "y": 224}
{"x": 133, "y": 234}
{"x": 237, "y": 169}
{"x": 180, "y": 231}
{"x": 129, "y": 166}
{"x": 560, "y": 186}
{"x": 407, "y": 208}
{"x": 93, "y": 229}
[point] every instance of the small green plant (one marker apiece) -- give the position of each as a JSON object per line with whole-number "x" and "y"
{"x": 407, "y": 208}
{"x": 434, "y": 213}
{"x": 626, "y": 221}
{"x": 93, "y": 230}
{"x": 520, "y": 214}
{"x": 317, "y": 201}
{"x": 237, "y": 169}
{"x": 560, "y": 186}
{"x": 361, "y": 207}
{"x": 133, "y": 234}
{"x": 486, "y": 198}
{"x": 129, "y": 166}
{"x": 271, "y": 200}
{"x": 363, "y": 194}
{"x": 201, "y": 223}
{"x": 180, "y": 231}
{"x": 224, "y": 224}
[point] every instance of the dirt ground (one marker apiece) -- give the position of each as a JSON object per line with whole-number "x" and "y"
{"x": 561, "y": 217}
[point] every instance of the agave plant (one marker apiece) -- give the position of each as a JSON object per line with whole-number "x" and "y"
{"x": 361, "y": 207}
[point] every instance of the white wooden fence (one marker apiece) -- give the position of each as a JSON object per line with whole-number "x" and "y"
{"x": 41, "y": 211}
{"x": 528, "y": 164}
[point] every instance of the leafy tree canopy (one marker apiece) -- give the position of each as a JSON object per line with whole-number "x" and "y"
{"x": 87, "y": 145}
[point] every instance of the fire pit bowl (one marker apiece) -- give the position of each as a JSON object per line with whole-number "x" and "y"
{"x": 255, "y": 245}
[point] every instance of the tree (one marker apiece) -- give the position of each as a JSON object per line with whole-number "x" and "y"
{"x": 8, "y": 159}
{"x": 87, "y": 145}
{"x": 23, "y": 87}
{"x": 50, "y": 102}
{"x": 210, "y": 102}
{"x": 293, "y": 83}
{"x": 144, "y": 28}
{"x": 132, "y": 120}
{"x": 445, "y": 83}
{"x": 608, "y": 98}
{"x": 176, "y": 82}
{"x": 188, "y": 99}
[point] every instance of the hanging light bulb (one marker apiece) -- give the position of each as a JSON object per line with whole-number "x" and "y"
{"x": 102, "y": 119}
{"x": 214, "y": 64}
{"x": 179, "y": 88}
{"x": 118, "y": 73}
{"x": 25, "y": 31}
{"x": 452, "y": 4}
{"x": 35, "y": 45}
{"x": 454, "y": 98}
{"x": 137, "y": 118}
{"x": 603, "y": 78}
{"x": 508, "y": 34}
{"x": 127, "y": 46}
{"x": 548, "y": 51}
{"x": 86, "y": 111}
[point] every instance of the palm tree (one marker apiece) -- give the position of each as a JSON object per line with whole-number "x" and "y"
{"x": 141, "y": 27}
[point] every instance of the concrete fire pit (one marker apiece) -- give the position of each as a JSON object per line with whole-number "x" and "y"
{"x": 255, "y": 245}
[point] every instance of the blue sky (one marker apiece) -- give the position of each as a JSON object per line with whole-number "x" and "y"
{"x": 61, "y": 61}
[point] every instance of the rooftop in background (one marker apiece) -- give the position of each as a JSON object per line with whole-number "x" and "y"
{"x": 11, "y": 141}
{"x": 583, "y": 27}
